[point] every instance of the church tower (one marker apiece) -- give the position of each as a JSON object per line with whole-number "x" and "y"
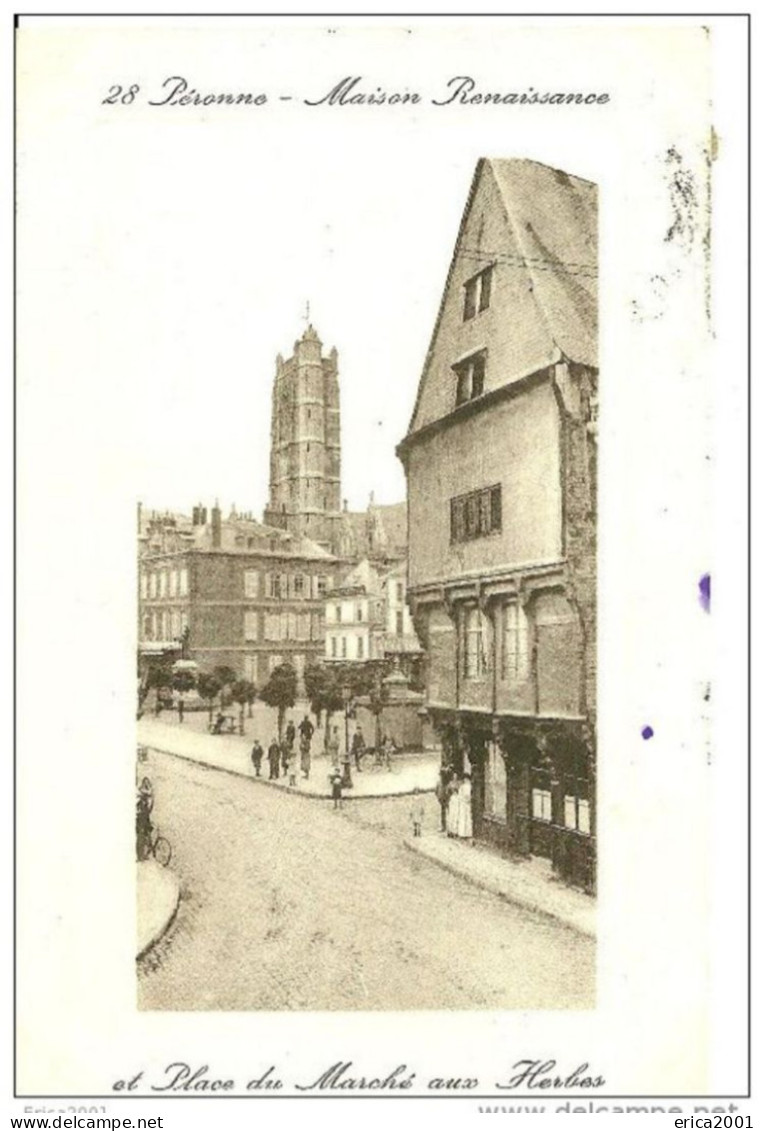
{"x": 305, "y": 444}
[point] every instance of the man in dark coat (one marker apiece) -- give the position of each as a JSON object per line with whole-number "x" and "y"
{"x": 274, "y": 756}
{"x": 257, "y": 756}
{"x": 306, "y": 729}
{"x": 358, "y": 747}
{"x": 442, "y": 794}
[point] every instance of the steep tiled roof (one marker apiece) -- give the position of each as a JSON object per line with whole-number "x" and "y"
{"x": 544, "y": 224}
{"x": 554, "y": 219}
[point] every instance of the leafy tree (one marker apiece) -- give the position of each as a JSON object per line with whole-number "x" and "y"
{"x": 226, "y": 676}
{"x": 242, "y": 692}
{"x": 182, "y": 682}
{"x": 314, "y": 678}
{"x": 160, "y": 678}
{"x": 323, "y": 686}
{"x": 280, "y": 692}
{"x": 366, "y": 681}
{"x": 377, "y": 695}
{"x": 208, "y": 687}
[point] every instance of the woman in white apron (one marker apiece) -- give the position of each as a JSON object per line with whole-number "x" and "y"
{"x": 464, "y": 809}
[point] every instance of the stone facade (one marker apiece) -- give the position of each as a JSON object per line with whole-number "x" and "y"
{"x": 500, "y": 461}
{"x": 233, "y": 593}
{"x": 305, "y": 444}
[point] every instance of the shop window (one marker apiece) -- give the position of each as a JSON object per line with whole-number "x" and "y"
{"x": 541, "y": 804}
{"x": 576, "y": 810}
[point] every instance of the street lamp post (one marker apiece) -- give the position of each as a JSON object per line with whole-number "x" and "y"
{"x": 347, "y": 781}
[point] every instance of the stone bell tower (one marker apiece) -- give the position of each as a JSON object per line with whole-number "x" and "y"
{"x": 305, "y": 443}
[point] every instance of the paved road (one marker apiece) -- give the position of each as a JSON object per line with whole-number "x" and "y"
{"x": 288, "y": 904}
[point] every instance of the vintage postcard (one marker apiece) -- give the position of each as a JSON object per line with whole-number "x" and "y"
{"x": 370, "y": 451}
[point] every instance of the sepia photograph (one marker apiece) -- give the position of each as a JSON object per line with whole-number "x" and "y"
{"x": 403, "y": 697}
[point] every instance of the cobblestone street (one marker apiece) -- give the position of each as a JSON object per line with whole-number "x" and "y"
{"x": 287, "y": 904}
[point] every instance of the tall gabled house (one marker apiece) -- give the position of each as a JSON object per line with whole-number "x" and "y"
{"x": 500, "y": 460}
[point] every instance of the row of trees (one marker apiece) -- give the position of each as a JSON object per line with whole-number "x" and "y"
{"x": 330, "y": 688}
{"x": 338, "y": 687}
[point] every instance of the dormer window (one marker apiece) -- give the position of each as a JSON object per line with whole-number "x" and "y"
{"x": 477, "y": 293}
{"x": 470, "y": 377}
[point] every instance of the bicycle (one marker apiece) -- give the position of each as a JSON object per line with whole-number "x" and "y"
{"x": 157, "y": 846}
{"x": 377, "y": 758}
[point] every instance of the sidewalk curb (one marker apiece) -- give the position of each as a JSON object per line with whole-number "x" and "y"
{"x": 327, "y": 796}
{"x": 164, "y": 927}
{"x": 515, "y": 898}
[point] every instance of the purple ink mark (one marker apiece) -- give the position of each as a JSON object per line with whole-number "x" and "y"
{"x": 647, "y": 732}
{"x": 704, "y": 592}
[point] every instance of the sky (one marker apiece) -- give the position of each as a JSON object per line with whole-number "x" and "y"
{"x": 187, "y": 241}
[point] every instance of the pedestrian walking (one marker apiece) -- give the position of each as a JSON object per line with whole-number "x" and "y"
{"x": 452, "y": 813}
{"x": 257, "y": 756}
{"x": 291, "y": 768}
{"x": 358, "y": 747}
{"x": 335, "y": 780}
{"x": 333, "y": 747}
{"x": 144, "y": 805}
{"x": 305, "y": 756}
{"x": 388, "y": 749}
{"x": 442, "y": 795}
{"x": 306, "y": 730}
{"x": 274, "y": 756}
{"x": 417, "y": 816}
{"x": 464, "y": 809}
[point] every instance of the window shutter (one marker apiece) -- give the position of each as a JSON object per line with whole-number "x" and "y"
{"x": 496, "y": 508}
{"x": 485, "y": 288}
